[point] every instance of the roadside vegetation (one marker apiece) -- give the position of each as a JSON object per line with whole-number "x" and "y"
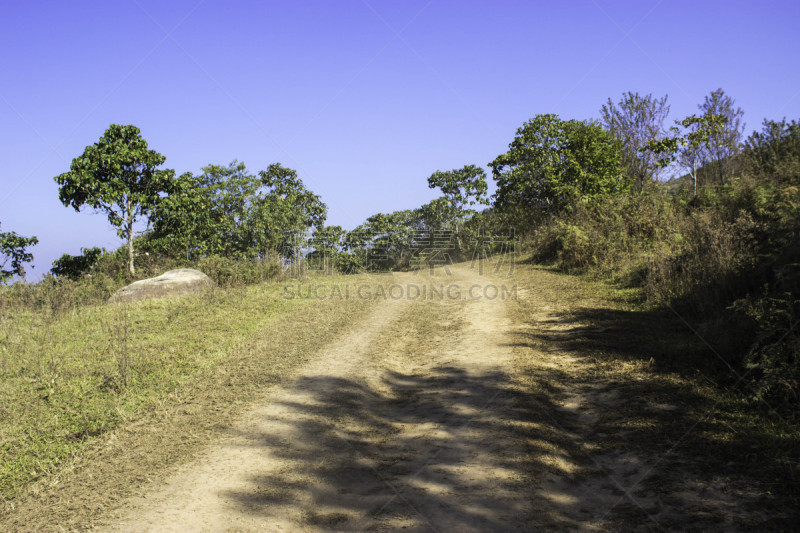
{"x": 724, "y": 258}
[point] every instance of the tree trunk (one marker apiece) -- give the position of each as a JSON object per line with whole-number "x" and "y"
{"x": 129, "y": 229}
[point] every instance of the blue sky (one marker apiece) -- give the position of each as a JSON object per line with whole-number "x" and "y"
{"x": 364, "y": 98}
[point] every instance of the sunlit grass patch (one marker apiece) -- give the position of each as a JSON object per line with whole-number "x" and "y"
{"x": 68, "y": 377}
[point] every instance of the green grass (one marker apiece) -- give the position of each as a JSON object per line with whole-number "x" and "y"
{"x": 68, "y": 378}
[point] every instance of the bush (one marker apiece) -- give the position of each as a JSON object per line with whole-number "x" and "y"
{"x": 729, "y": 260}
{"x": 612, "y": 238}
{"x": 228, "y": 272}
{"x": 76, "y": 266}
{"x": 774, "y": 358}
{"x": 707, "y": 267}
{"x": 77, "y": 285}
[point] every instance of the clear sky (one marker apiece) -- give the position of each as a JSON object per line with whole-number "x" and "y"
{"x": 365, "y": 98}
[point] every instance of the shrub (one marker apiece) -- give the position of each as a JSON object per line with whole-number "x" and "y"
{"x": 76, "y": 266}
{"x": 706, "y": 268}
{"x": 729, "y": 260}
{"x": 228, "y": 272}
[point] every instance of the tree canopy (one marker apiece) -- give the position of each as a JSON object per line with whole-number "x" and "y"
{"x": 775, "y": 149}
{"x": 462, "y": 187}
{"x": 14, "y": 250}
{"x": 690, "y": 146}
{"x": 119, "y": 176}
{"x": 76, "y": 266}
{"x": 725, "y": 141}
{"x": 553, "y": 162}
{"x": 229, "y": 211}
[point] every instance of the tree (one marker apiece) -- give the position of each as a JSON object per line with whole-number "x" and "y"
{"x": 724, "y": 143}
{"x": 636, "y": 121}
{"x": 691, "y": 155}
{"x": 689, "y": 147}
{"x": 13, "y": 248}
{"x": 438, "y": 215}
{"x": 462, "y": 187}
{"x": 183, "y": 221}
{"x": 117, "y": 175}
{"x": 327, "y": 242}
{"x": 282, "y": 208}
{"x": 227, "y": 195}
{"x": 775, "y": 149}
{"x": 75, "y": 266}
{"x": 230, "y": 212}
{"x": 384, "y": 241}
{"x": 552, "y": 163}
{"x": 200, "y": 216}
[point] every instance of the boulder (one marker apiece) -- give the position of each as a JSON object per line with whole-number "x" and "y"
{"x": 178, "y": 282}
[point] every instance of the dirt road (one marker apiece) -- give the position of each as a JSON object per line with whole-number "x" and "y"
{"x": 443, "y": 413}
{"x": 408, "y": 420}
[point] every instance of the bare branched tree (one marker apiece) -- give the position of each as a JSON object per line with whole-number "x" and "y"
{"x": 725, "y": 144}
{"x": 635, "y": 121}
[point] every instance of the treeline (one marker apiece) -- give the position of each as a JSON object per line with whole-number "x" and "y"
{"x": 243, "y": 227}
{"x": 230, "y": 219}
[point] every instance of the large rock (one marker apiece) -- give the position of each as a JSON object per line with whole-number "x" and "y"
{"x": 178, "y": 282}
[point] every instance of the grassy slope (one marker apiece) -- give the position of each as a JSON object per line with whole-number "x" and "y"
{"x": 72, "y": 383}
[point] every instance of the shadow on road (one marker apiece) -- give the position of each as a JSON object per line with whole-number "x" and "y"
{"x": 619, "y": 440}
{"x": 447, "y": 450}
{"x": 656, "y": 391}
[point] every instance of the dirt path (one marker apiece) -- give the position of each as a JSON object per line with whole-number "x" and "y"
{"x": 398, "y": 424}
{"x": 434, "y": 414}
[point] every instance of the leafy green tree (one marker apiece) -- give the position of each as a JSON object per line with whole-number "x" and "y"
{"x": 327, "y": 242}
{"x": 724, "y": 143}
{"x": 229, "y": 192}
{"x": 688, "y": 146}
{"x": 438, "y": 215}
{"x": 552, "y": 163}
{"x": 385, "y": 241}
{"x": 462, "y": 187}
{"x": 75, "y": 266}
{"x": 187, "y": 222}
{"x": 282, "y": 208}
{"x": 117, "y": 175}
{"x": 635, "y": 121}
{"x": 230, "y": 212}
{"x": 177, "y": 220}
{"x": 775, "y": 150}
{"x": 13, "y": 249}
{"x": 328, "y": 239}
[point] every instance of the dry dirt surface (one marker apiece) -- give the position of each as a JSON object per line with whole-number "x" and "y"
{"x": 408, "y": 421}
{"x": 453, "y": 412}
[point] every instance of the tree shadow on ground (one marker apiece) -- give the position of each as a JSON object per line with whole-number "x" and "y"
{"x": 453, "y": 450}
{"x": 447, "y": 449}
{"x": 656, "y": 389}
